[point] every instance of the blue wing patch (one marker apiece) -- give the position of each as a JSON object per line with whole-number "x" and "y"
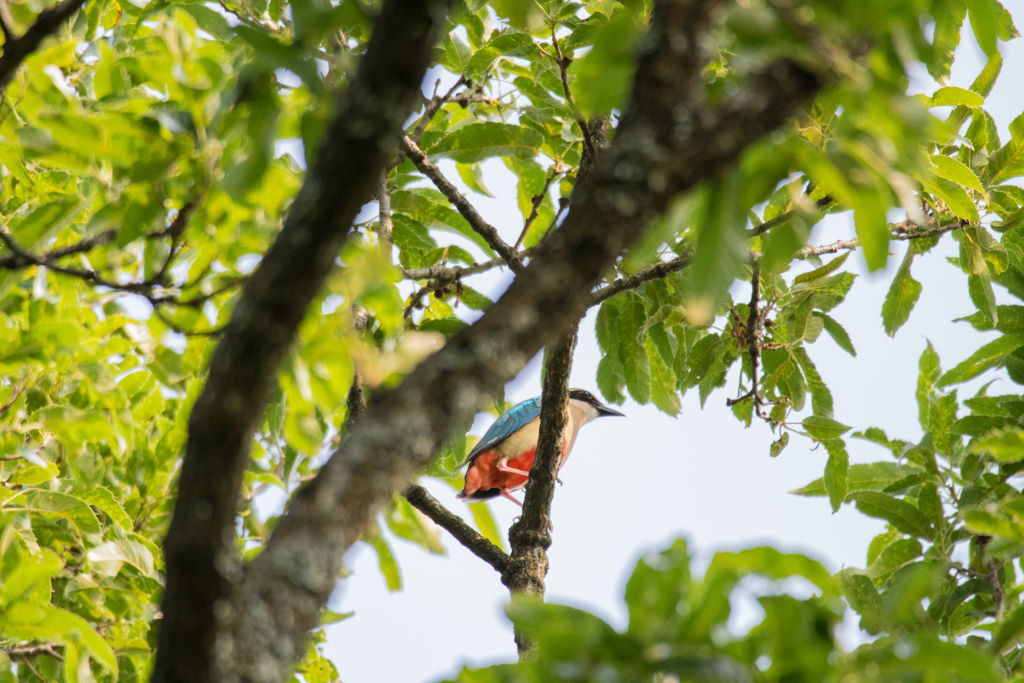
{"x": 517, "y": 417}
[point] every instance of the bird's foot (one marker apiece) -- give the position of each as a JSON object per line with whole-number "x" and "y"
{"x": 551, "y": 526}
{"x": 558, "y": 480}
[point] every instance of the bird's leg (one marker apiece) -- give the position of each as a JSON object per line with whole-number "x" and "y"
{"x": 506, "y": 494}
{"x": 505, "y": 468}
{"x": 558, "y": 480}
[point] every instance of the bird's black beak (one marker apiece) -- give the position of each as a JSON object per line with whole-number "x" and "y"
{"x": 605, "y": 411}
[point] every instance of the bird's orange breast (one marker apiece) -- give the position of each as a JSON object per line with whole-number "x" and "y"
{"x": 483, "y": 474}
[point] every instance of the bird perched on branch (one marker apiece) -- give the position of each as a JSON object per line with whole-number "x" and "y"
{"x": 500, "y": 463}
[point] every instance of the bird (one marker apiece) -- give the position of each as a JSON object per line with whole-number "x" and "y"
{"x": 500, "y": 462}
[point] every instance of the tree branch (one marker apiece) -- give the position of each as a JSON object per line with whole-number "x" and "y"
{"x": 563, "y": 67}
{"x": 530, "y": 537}
{"x": 655, "y": 272}
{"x": 283, "y": 589}
{"x": 899, "y": 234}
{"x": 452, "y": 273}
{"x": 385, "y": 226}
{"x": 556, "y": 170}
{"x": 27, "y": 651}
{"x": 421, "y": 499}
{"x": 433, "y": 106}
{"x": 202, "y": 563}
{"x": 18, "y": 49}
{"x": 22, "y": 259}
{"x": 475, "y": 220}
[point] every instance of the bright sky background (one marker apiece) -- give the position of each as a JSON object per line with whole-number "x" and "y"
{"x": 635, "y": 484}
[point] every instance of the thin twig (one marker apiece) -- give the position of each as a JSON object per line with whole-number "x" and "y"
{"x": 475, "y": 220}
{"x": 17, "y": 260}
{"x": 655, "y": 272}
{"x": 421, "y": 499}
{"x": 822, "y": 203}
{"x": 755, "y": 324}
{"x": 26, "y": 651}
{"x": 387, "y": 245}
{"x": 434, "y": 106}
{"x": 14, "y": 397}
{"x": 563, "y": 66}
{"x": 538, "y": 199}
{"x": 900, "y": 234}
{"x": 452, "y": 273}
{"x": 414, "y": 300}
{"x": 827, "y": 248}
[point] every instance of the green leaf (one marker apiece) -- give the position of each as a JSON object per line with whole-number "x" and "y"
{"x": 897, "y": 554}
{"x": 861, "y": 477}
{"x": 57, "y": 504}
{"x": 949, "y": 17}
{"x": 952, "y": 96}
{"x": 1009, "y": 632}
{"x": 68, "y": 625}
{"x": 864, "y": 599}
{"x": 663, "y": 382}
{"x": 955, "y": 197}
{"x": 1006, "y": 446}
{"x": 658, "y": 582}
{"x": 895, "y": 511}
{"x": 951, "y": 169}
{"x": 485, "y": 523}
{"x": 821, "y": 397}
{"x": 838, "y": 334}
{"x": 928, "y": 375}
{"x": 836, "y": 477}
{"x": 988, "y": 356}
{"x": 611, "y": 378}
{"x": 984, "y": 22}
{"x": 901, "y": 298}
{"x": 819, "y": 273}
{"x": 637, "y": 371}
{"x": 102, "y": 499}
{"x": 479, "y": 141}
{"x": 720, "y": 247}
{"x": 824, "y": 428}
{"x": 872, "y": 230}
{"x": 473, "y": 176}
{"x": 505, "y": 45}
{"x": 987, "y": 78}
{"x": 431, "y": 209}
{"x": 406, "y": 522}
{"x": 328, "y": 616}
{"x": 775, "y": 566}
{"x": 108, "y": 558}
{"x": 603, "y": 76}
{"x": 385, "y": 558}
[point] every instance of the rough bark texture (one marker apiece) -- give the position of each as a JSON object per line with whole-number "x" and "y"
{"x": 530, "y": 537}
{"x": 669, "y": 141}
{"x": 202, "y": 564}
{"x": 421, "y": 499}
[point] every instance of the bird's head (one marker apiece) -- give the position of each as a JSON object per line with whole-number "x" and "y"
{"x": 590, "y": 406}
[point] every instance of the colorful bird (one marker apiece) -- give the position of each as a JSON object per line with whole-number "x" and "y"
{"x": 500, "y": 463}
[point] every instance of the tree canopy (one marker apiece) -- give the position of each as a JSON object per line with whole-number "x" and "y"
{"x": 192, "y": 318}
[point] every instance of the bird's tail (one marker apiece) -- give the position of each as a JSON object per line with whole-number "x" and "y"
{"x": 478, "y": 496}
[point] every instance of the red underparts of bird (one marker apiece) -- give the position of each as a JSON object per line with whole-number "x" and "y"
{"x": 500, "y": 463}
